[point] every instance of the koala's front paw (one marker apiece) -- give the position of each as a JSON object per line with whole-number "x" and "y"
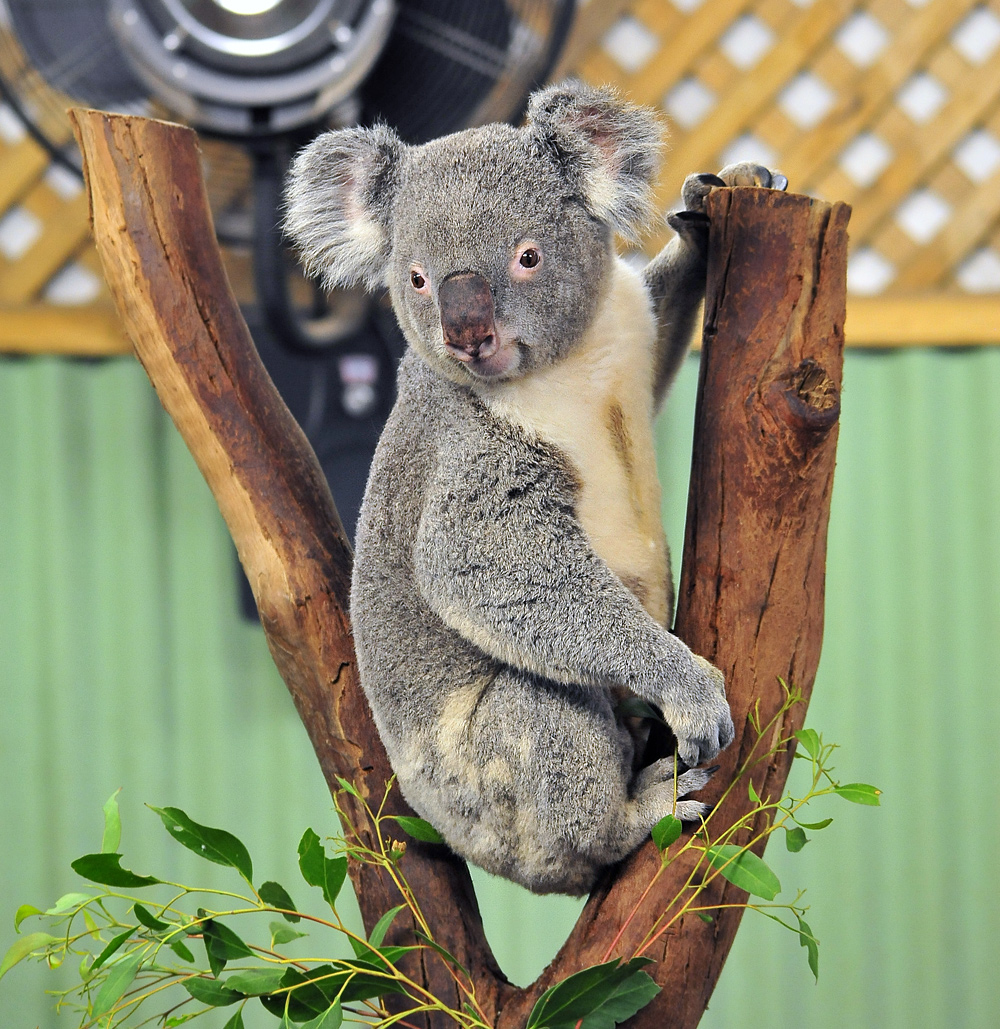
{"x": 697, "y": 187}
{"x": 700, "y": 716}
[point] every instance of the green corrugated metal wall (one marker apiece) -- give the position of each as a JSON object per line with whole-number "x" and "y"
{"x": 125, "y": 663}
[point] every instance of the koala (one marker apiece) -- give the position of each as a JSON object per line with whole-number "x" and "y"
{"x": 512, "y": 581}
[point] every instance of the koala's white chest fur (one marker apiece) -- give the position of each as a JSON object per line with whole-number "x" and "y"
{"x": 596, "y": 407}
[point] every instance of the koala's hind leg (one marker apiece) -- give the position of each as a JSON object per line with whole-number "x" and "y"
{"x": 655, "y": 793}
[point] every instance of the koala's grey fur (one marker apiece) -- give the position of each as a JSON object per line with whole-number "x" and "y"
{"x": 512, "y": 581}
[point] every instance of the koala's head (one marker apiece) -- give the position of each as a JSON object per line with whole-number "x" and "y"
{"x": 495, "y": 243}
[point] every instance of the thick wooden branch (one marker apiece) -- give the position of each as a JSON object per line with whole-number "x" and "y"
{"x": 752, "y": 583}
{"x": 155, "y": 237}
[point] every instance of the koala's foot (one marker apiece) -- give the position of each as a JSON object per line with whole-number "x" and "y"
{"x": 657, "y": 793}
{"x": 697, "y": 187}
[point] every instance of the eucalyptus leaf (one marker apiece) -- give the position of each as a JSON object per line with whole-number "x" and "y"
{"x": 382, "y": 926}
{"x": 236, "y": 1022}
{"x": 666, "y": 831}
{"x": 114, "y": 945}
{"x": 212, "y": 844}
{"x": 275, "y": 895}
{"x": 67, "y": 901}
{"x": 795, "y": 839}
{"x": 112, "y": 837}
{"x": 255, "y": 981}
{"x": 348, "y": 787}
{"x": 437, "y": 948}
{"x": 281, "y": 933}
{"x": 754, "y": 795}
{"x": 807, "y": 940}
{"x": 106, "y": 869}
{"x": 418, "y": 828}
{"x": 222, "y": 945}
{"x": 602, "y": 996}
{"x": 319, "y": 870}
{"x": 149, "y": 920}
{"x": 744, "y": 869}
{"x": 636, "y": 707}
{"x": 809, "y": 739}
{"x": 859, "y": 793}
{"x": 705, "y": 917}
{"x": 181, "y": 950}
{"x": 330, "y": 1019}
{"x": 211, "y": 991}
{"x": 22, "y": 947}
{"x": 119, "y": 979}
{"x": 816, "y": 826}
{"x": 23, "y": 912}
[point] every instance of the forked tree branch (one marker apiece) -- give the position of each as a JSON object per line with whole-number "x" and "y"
{"x": 752, "y": 582}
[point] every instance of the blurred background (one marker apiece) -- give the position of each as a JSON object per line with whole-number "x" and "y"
{"x": 128, "y": 658}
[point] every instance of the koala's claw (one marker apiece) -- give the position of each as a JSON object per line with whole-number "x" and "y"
{"x": 660, "y": 775}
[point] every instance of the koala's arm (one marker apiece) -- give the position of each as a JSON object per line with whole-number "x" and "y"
{"x": 675, "y": 278}
{"x": 502, "y": 560}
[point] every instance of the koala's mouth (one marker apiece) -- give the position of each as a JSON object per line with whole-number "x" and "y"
{"x": 499, "y": 360}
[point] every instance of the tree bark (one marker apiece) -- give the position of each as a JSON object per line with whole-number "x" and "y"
{"x": 751, "y": 592}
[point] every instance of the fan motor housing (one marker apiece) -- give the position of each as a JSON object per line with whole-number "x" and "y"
{"x": 252, "y": 67}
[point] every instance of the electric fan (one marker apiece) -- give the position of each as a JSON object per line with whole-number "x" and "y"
{"x": 259, "y": 79}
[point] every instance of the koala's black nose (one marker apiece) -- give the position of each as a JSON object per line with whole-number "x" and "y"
{"x": 467, "y": 316}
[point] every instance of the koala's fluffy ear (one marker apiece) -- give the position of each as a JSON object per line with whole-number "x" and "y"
{"x": 608, "y": 149}
{"x": 338, "y": 204}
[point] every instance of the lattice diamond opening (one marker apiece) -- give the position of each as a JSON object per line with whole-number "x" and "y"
{"x": 806, "y": 100}
{"x": 72, "y": 286}
{"x": 922, "y": 215}
{"x": 978, "y": 155}
{"x": 689, "y": 102}
{"x": 19, "y": 231}
{"x": 630, "y": 44}
{"x": 748, "y": 148}
{"x": 862, "y": 38}
{"x": 868, "y": 272}
{"x": 746, "y": 41}
{"x": 980, "y": 272}
{"x": 865, "y": 158}
{"x": 921, "y": 97}
{"x": 977, "y": 36}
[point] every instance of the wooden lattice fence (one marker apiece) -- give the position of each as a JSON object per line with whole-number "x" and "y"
{"x": 891, "y": 105}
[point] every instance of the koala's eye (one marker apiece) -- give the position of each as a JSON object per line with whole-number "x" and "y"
{"x": 418, "y": 280}
{"x": 527, "y": 261}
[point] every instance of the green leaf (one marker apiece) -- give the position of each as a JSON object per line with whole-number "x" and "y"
{"x": 236, "y": 1022}
{"x": 795, "y": 839}
{"x": 809, "y": 739}
{"x": 211, "y": 992}
{"x": 744, "y": 869}
{"x": 275, "y": 895}
{"x": 281, "y": 933}
{"x": 705, "y": 917}
{"x": 255, "y": 981}
{"x": 666, "y": 831}
{"x": 120, "y": 976}
{"x": 212, "y": 844}
{"x": 107, "y": 870}
{"x": 181, "y": 950}
{"x": 418, "y": 828}
{"x": 811, "y": 944}
{"x": 115, "y": 944}
{"x": 319, "y": 870}
{"x": 330, "y": 1019}
{"x": 23, "y": 912}
{"x": 222, "y": 945}
{"x": 309, "y": 994}
{"x": 816, "y": 826}
{"x": 22, "y": 947}
{"x": 67, "y": 901}
{"x": 112, "y": 837}
{"x": 859, "y": 793}
{"x": 602, "y": 996}
{"x": 348, "y": 787}
{"x": 382, "y": 926}
{"x": 437, "y": 948}
{"x": 149, "y": 920}
{"x": 754, "y": 795}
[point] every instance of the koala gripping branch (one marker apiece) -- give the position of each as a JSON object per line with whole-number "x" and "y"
{"x": 751, "y": 592}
